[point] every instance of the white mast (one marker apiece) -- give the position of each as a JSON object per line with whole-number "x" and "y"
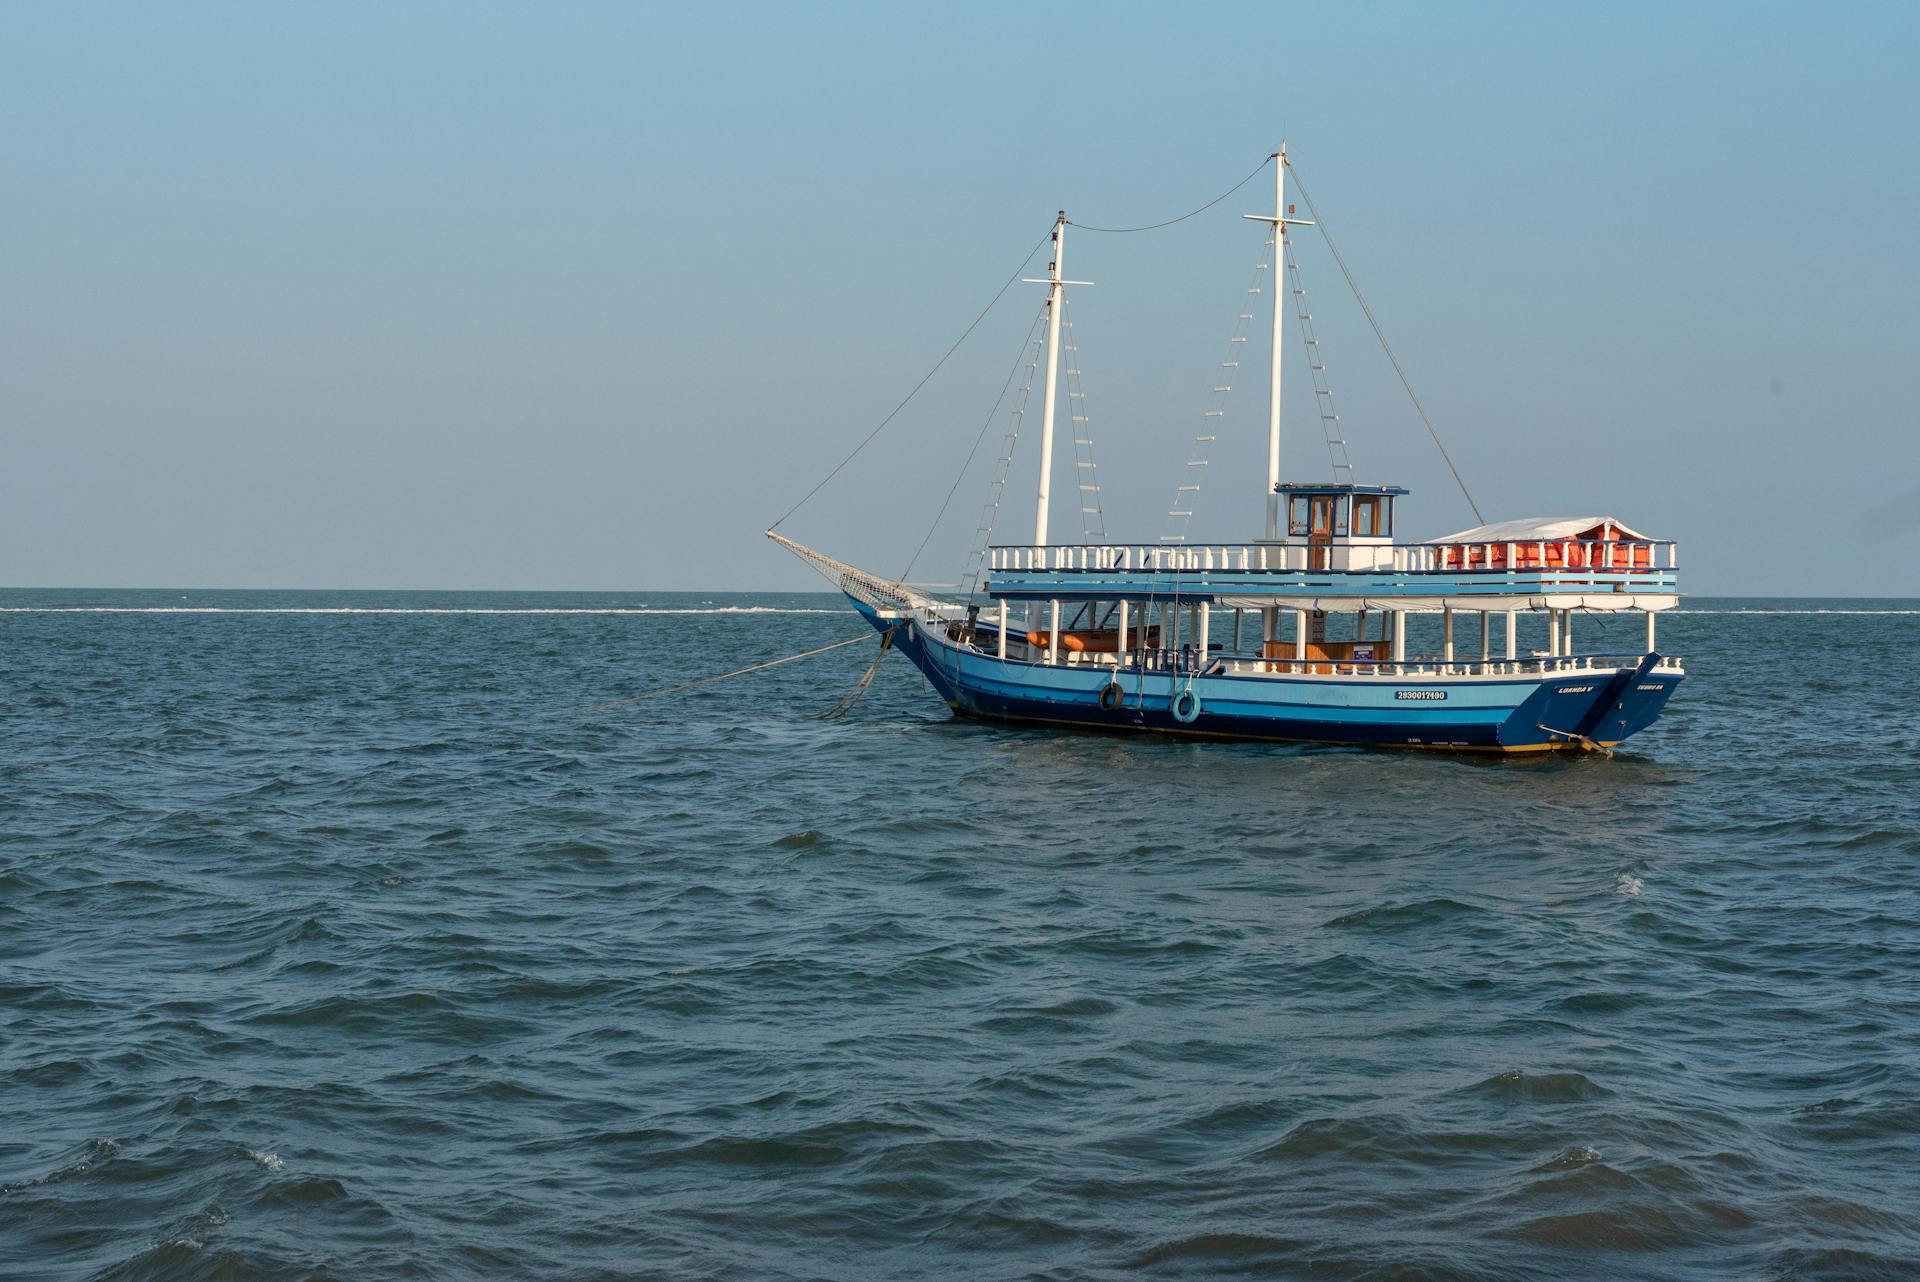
{"x": 1053, "y": 374}
{"x": 1280, "y": 223}
{"x": 1056, "y": 292}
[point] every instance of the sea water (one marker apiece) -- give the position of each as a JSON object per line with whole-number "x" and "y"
{"x": 339, "y": 940}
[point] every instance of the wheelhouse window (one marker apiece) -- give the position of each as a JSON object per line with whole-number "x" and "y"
{"x": 1297, "y": 515}
{"x": 1369, "y": 516}
{"x": 1326, "y": 516}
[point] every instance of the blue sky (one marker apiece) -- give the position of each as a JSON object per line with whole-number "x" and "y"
{"x": 582, "y": 296}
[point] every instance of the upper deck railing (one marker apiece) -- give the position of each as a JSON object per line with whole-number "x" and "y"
{"x": 1526, "y": 557}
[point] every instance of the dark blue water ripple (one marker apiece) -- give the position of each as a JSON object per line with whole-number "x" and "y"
{"x": 342, "y": 944}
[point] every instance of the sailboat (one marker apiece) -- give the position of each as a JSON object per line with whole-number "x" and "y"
{"x": 1300, "y": 635}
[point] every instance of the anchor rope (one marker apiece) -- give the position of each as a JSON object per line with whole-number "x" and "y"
{"x": 844, "y": 704}
{"x": 598, "y": 708}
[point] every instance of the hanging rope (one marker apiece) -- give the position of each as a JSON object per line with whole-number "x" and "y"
{"x": 844, "y": 704}
{"x": 1384, "y": 345}
{"x": 927, "y": 377}
{"x": 1121, "y": 231}
{"x": 598, "y": 708}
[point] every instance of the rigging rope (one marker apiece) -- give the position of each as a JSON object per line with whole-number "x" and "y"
{"x": 1337, "y": 457}
{"x": 997, "y": 487}
{"x": 1186, "y": 494}
{"x": 844, "y": 704}
{"x": 974, "y": 449}
{"x": 1384, "y": 345}
{"x": 868, "y": 440}
{"x": 1119, "y": 231}
{"x": 598, "y": 708}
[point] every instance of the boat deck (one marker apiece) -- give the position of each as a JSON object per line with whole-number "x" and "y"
{"x": 1634, "y": 574}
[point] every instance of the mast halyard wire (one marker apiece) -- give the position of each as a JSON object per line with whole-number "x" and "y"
{"x": 997, "y": 487}
{"x": 1385, "y": 346}
{"x": 1192, "y": 213}
{"x": 924, "y": 380}
{"x": 993, "y": 413}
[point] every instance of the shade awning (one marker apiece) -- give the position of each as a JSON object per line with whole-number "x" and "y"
{"x": 1534, "y": 528}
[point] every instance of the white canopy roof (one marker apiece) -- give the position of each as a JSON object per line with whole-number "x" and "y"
{"x": 1533, "y": 528}
{"x": 1610, "y": 602}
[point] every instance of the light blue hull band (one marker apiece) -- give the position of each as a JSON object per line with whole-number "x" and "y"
{"x": 1519, "y": 714}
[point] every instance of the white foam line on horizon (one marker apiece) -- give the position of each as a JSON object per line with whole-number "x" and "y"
{"x": 356, "y": 609}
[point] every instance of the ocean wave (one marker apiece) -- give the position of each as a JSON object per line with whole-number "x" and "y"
{"x": 310, "y": 914}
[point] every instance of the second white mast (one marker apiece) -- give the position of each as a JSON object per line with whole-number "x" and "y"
{"x": 1056, "y": 294}
{"x": 1275, "y": 277}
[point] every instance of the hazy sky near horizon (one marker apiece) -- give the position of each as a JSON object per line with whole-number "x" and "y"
{"x": 583, "y": 296}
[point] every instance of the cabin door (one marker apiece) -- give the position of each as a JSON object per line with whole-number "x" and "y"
{"x": 1320, "y": 533}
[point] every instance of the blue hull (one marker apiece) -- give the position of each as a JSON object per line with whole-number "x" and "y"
{"x": 1520, "y": 714}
